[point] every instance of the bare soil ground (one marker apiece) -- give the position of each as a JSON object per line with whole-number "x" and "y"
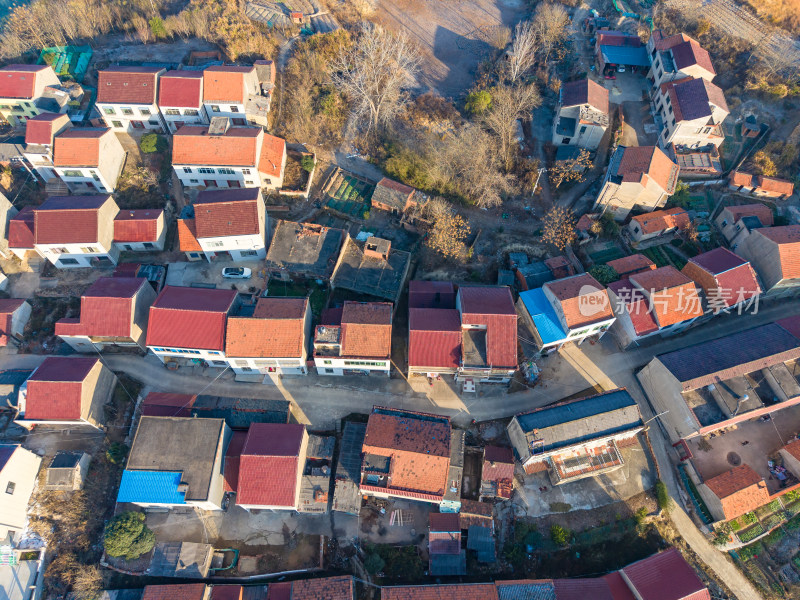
{"x": 454, "y": 35}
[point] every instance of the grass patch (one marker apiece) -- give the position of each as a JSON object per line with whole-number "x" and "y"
{"x": 560, "y": 507}
{"x": 317, "y": 294}
{"x": 402, "y": 562}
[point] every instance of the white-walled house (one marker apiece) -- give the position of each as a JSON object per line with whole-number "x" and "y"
{"x": 692, "y": 112}
{"x": 180, "y": 99}
{"x": 359, "y": 342}
{"x": 226, "y": 89}
{"x": 40, "y": 132}
{"x": 127, "y": 98}
{"x": 228, "y": 224}
{"x": 677, "y": 57}
{"x": 89, "y": 160}
{"x": 141, "y": 230}
{"x": 19, "y": 469}
{"x": 220, "y": 156}
{"x": 273, "y": 341}
{"x": 582, "y": 114}
{"x": 76, "y": 231}
{"x": 7, "y": 213}
{"x": 14, "y": 315}
{"x": 20, "y": 87}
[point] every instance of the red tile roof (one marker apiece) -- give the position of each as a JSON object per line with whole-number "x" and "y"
{"x": 628, "y": 265}
{"x": 661, "y": 220}
{"x": 637, "y": 306}
{"x": 367, "y": 329}
{"x": 763, "y": 212}
{"x": 233, "y": 456}
{"x": 7, "y": 308}
{"x": 128, "y": 85}
{"x": 725, "y": 278}
{"x": 180, "y": 89}
{"x": 492, "y": 306}
{"x": 226, "y": 592}
{"x": 434, "y": 338}
{"x": 595, "y": 588}
{"x": 164, "y": 404}
{"x": 276, "y": 330}
{"x": 641, "y": 163}
{"x": 673, "y": 296}
{"x": 775, "y": 185}
{"x": 280, "y": 591}
{"x": 21, "y": 229}
{"x": 665, "y": 576}
{"x": 444, "y": 522}
{"x": 465, "y": 591}
{"x": 269, "y": 465}
{"x": 106, "y": 309}
{"x": 689, "y": 53}
{"x": 227, "y": 213}
{"x": 662, "y": 42}
{"x": 68, "y": 219}
{"x": 325, "y": 588}
{"x": 431, "y": 294}
{"x": 137, "y": 225}
{"x": 191, "y": 318}
{"x": 740, "y": 490}
{"x": 583, "y": 300}
{"x": 187, "y": 236}
{"x": 618, "y": 587}
{"x": 78, "y": 147}
{"x": 19, "y": 81}
{"x": 175, "y": 591}
{"x": 237, "y": 147}
{"x": 585, "y": 91}
{"x": 498, "y": 466}
{"x": 41, "y": 128}
{"x": 740, "y": 178}
{"x": 787, "y": 238}
{"x": 55, "y": 389}
{"x": 273, "y": 152}
{"x": 225, "y": 83}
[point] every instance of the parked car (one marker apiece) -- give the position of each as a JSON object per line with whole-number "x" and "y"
{"x": 621, "y": 69}
{"x": 236, "y": 272}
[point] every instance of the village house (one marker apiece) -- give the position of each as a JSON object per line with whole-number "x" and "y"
{"x": 618, "y": 50}
{"x": 180, "y": 99}
{"x": 657, "y": 223}
{"x": 67, "y": 471}
{"x": 40, "y": 132}
{"x": 14, "y": 315}
{"x": 566, "y": 310}
{"x": 127, "y": 98}
{"x": 358, "y": 341}
{"x": 65, "y": 391}
{"x": 183, "y": 591}
{"x": 273, "y": 341}
{"x": 88, "y": 160}
{"x": 76, "y": 231}
{"x": 304, "y": 250}
{"x": 225, "y": 225}
{"x": 582, "y": 114}
{"x": 445, "y": 555}
{"x": 434, "y": 329}
{"x": 630, "y": 265}
{"x": 393, "y": 196}
{"x": 774, "y": 253}
{"x": 114, "y": 312}
{"x": 576, "y": 439}
{"x": 497, "y": 473}
{"x": 187, "y": 325}
{"x": 20, "y": 235}
{"x": 20, "y": 87}
{"x": 271, "y": 467}
{"x": 241, "y": 93}
{"x": 19, "y": 469}
{"x": 176, "y": 462}
{"x": 728, "y": 282}
{"x": 141, "y": 230}
{"x": 372, "y": 267}
{"x": 330, "y": 588}
{"x": 222, "y": 156}
{"x": 408, "y": 455}
{"x": 7, "y": 212}
{"x": 638, "y": 178}
{"x": 677, "y": 57}
{"x": 736, "y": 222}
{"x": 760, "y": 185}
{"x": 692, "y": 112}
{"x": 734, "y": 493}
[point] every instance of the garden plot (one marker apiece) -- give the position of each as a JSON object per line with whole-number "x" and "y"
{"x": 348, "y": 195}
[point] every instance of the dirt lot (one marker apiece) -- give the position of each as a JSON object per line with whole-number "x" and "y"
{"x": 454, "y": 35}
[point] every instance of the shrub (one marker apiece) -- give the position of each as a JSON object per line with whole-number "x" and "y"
{"x": 116, "y": 453}
{"x": 307, "y": 163}
{"x": 640, "y": 515}
{"x": 157, "y": 27}
{"x": 373, "y": 563}
{"x": 662, "y": 496}
{"x": 127, "y": 535}
{"x": 604, "y": 274}
{"x": 151, "y": 143}
{"x": 478, "y": 102}
{"x": 722, "y": 535}
{"x": 559, "y": 535}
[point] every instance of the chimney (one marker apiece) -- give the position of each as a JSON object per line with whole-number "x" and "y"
{"x": 219, "y": 125}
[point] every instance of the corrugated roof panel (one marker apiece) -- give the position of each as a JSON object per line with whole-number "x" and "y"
{"x": 151, "y": 487}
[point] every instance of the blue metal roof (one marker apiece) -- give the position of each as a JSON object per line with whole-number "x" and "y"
{"x": 543, "y": 315}
{"x": 625, "y": 55}
{"x": 151, "y": 487}
{"x": 577, "y": 410}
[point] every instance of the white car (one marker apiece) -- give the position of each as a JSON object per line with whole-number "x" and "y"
{"x": 621, "y": 69}
{"x": 236, "y": 273}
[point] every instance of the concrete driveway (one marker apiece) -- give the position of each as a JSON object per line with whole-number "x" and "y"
{"x": 187, "y": 273}
{"x": 639, "y": 128}
{"x": 627, "y": 87}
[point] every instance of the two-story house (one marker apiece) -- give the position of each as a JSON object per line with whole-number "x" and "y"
{"x": 226, "y": 90}
{"x": 582, "y": 114}
{"x": 692, "y": 112}
{"x": 19, "y": 470}
{"x": 180, "y": 99}
{"x": 20, "y": 87}
{"x": 221, "y": 156}
{"x": 40, "y": 132}
{"x": 677, "y": 57}
{"x": 566, "y": 310}
{"x": 638, "y": 177}
{"x": 127, "y": 98}
{"x": 728, "y": 281}
{"x": 76, "y": 231}
{"x": 774, "y": 253}
{"x": 226, "y": 225}
{"x": 7, "y": 213}
{"x": 736, "y": 222}
{"x": 88, "y": 159}
{"x": 140, "y": 230}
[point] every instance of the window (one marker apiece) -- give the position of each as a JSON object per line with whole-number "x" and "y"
{"x": 214, "y": 352}
{"x": 328, "y": 371}
{"x": 5, "y": 107}
{"x": 670, "y": 109}
{"x": 187, "y": 170}
{"x": 249, "y": 253}
{"x": 216, "y": 244}
{"x": 94, "y": 175}
{"x": 249, "y": 182}
{"x": 566, "y": 140}
{"x": 127, "y": 111}
{"x": 193, "y": 181}
{"x": 144, "y": 111}
{"x": 89, "y": 250}
{"x": 219, "y": 363}
{"x": 172, "y": 112}
{"x": 326, "y": 362}
{"x": 636, "y": 229}
{"x": 190, "y": 112}
{"x": 68, "y": 261}
{"x": 109, "y": 110}
{"x": 583, "y": 130}
{"x": 205, "y": 170}
{"x": 673, "y": 121}
{"x": 245, "y": 171}
{"x": 10, "y": 487}
{"x": 116, "y": 124}
{"x": 214, "y": 108}
{"x": 234, "y": 109}
{"x": 226, "y": 171}
{"x": 724, "y": 222}
{"x": 148, "y": 245}
{"x": 73, "y": 174}
{"x": 246, "y": 369}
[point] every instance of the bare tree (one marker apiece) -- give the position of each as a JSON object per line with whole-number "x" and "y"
{"x": 550, "y": 23}
{"x": 522, "y": 55}
{"x": 510, "y": 103}
{"x": 558, "y": 227}
{"x": 373, "y": 72}
{"x": 571, "y": 169}
{"x": 449, "y": 230}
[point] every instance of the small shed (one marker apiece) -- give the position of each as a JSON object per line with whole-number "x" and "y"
{"x": 67, "y": 472}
